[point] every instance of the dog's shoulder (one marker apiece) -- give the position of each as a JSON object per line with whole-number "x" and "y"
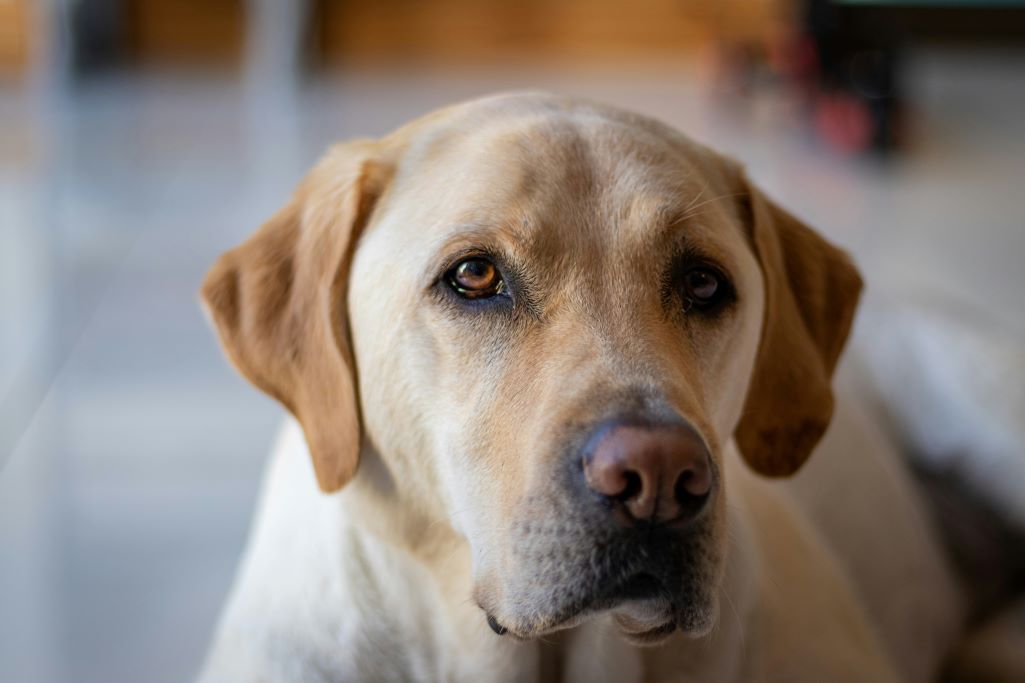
{"x": 314, "y": 599}
{"x": 868, "y": 514}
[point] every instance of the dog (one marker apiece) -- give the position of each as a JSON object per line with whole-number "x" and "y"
{"x": 558, "y": 370}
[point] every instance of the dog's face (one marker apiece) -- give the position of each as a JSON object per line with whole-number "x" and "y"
{"x": 554, "y": 316}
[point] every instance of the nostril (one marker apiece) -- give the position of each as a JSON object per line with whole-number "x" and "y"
{"x": 632, "y": 488}
{"x": 691, "y": 492}
{"x": 694, "y": 480}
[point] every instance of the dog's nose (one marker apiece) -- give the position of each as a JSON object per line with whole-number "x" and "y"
{"x": 657, "y": 473}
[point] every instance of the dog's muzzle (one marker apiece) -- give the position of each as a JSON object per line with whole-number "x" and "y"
{"x": 625, "y": 528}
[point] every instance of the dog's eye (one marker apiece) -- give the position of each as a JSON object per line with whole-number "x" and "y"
{"x": 475, "y": 278}
{"x": 702, "y": 288}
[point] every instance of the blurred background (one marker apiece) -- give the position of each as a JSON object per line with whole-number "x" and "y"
{"x": 140, "y": 138}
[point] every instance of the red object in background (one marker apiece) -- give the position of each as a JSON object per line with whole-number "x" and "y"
{"x": 844, "y": 121}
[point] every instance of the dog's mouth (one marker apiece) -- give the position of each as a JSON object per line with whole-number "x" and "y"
{"x": 643, "y": 607}
{"x": 640, "y": 586}
{"x": 565, "y": 569}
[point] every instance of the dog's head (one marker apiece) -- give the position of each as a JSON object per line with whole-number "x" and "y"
{"x": 543, "y": 320}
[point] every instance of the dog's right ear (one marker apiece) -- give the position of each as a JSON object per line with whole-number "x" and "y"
{"x": 278, "y": 302}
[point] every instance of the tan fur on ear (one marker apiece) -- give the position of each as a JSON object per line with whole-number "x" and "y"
{"x": 811, "y": 293}
{"x": 279, "y": 304}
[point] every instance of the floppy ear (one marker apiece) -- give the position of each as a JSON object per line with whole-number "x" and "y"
{"x": 278, "y": 302}
{"x": 811, "y": 292}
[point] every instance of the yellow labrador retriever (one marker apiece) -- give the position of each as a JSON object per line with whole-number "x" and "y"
{"x": 552, "y": 359}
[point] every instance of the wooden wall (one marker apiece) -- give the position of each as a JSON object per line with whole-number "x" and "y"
{"x": 212, "y": 33}
{"x": 15, "y": 34}
{"x": 188, "y": 32}
{"x": 456, "y": 30}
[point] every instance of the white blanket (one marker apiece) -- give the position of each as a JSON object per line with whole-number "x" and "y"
{"x": 952, "y": 377}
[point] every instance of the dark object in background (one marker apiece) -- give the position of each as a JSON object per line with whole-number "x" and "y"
{"x": 97, "y": 35}
{"x": 113, "y": 34}
{"x": 987, "y": 550}
{"x": 852, "y": 56}
{"x": 852, "y": 79}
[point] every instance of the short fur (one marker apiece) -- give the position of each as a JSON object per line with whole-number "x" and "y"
{"x": 466, "y": 421}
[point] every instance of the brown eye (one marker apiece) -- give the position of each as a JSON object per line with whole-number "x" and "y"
{"x": 702, "y": 287}
{"x": 476, "y": 278}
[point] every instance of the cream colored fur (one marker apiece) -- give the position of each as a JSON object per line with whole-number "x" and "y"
{"x": 458, "y": 419}
{"x": 816, "y": 589}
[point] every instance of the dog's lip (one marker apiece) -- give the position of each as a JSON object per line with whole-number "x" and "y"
{"x": 646, "y": 622}
{"x": 639, "y": 586}
{"x": 656, "y": 624}
{"x": 644, "y": 612}
{"x": 644, "y": 634}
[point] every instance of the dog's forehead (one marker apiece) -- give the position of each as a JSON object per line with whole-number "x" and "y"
{"x": 589, "y": 170}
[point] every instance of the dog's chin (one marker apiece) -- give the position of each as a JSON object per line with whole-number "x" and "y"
{"x": 652, "y": 622}
{"x": 643, "y": 611}
{"x": 646, "y": 623}
{"x": 644, "y": 632}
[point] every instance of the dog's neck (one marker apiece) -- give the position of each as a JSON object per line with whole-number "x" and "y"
{"x": 392, "y": 511}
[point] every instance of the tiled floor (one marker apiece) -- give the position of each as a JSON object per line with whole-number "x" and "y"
{"x": 132, "y": 452}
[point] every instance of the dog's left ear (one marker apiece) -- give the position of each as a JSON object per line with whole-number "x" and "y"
{"x": 279, "y": 304}
{"x": 811, "y": 293}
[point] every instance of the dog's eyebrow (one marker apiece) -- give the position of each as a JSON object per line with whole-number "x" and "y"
{"x": 664, "y": 206}
{"x": 501, "y": 224}
{"x": 668, "y": 216}
{"x": 508, "y": 230}
{"x": 655, "y": 220}
{"x": 471, "y": 237}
